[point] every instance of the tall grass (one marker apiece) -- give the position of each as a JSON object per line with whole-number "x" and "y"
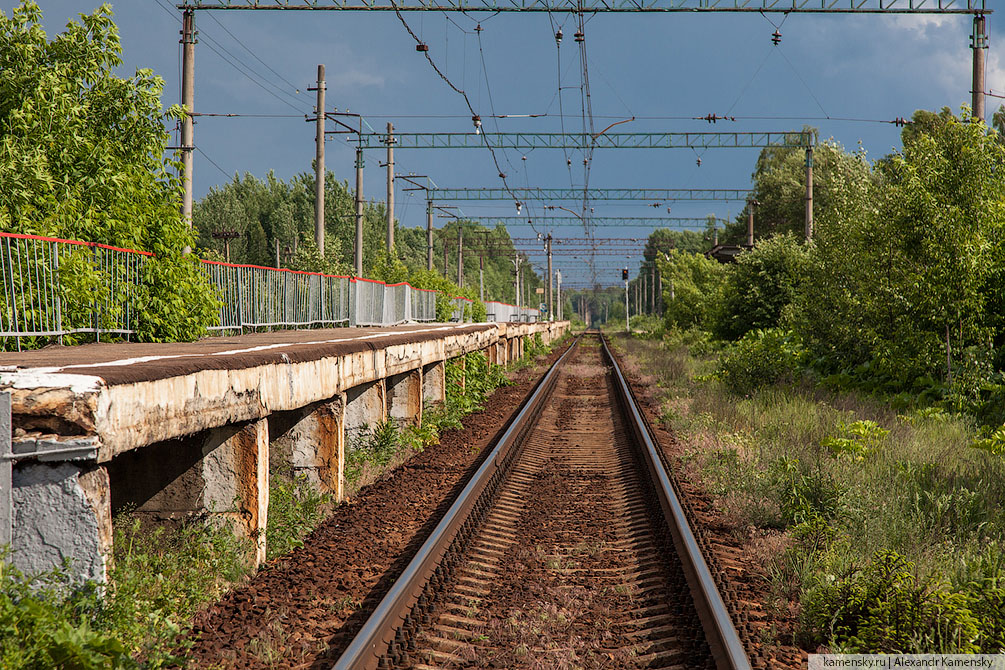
{"x": 893, "y": 539}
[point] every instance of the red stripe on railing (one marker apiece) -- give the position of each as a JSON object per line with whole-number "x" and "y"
{"x": 23, "y": 236}
{"x": 42, "y": 238}
{"x": 265, "y": 267}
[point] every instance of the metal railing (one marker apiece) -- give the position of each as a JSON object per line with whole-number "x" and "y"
{"x": 53, "y": 287}
{"x": 505, "y": 312}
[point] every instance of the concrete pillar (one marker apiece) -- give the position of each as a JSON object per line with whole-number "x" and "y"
{"x": 61, "y": 511}
{"x": 404, "y": 397}
{"x": 365, "y": 408}
{"x": 222, "y": 473}
{"x": 434, "y": 384}
{"x": 311, "y": 441}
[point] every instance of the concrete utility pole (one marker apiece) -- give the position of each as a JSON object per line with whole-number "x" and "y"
{"x": 750, "y": 222}
{"x": 645, "y": 294}
{"x": 319, "y": 166}
{"x": 659, "y": 293}
{"x": 429, "y": 234}
{"x": 390, "y": 187}
{"x": 652, "y": 288}
{"x": 809, "y": 193}
{"x": 443, "y": 238}
{"x": 460, "y": 257}
{"x": 558, "y": 278}
{"x": 551, "y": 312}
{"x": 516, "y": 282}
{"x": 628, "y": 320}
{"x": 188, "y": 121}
{"x": 481, "y": 277}
{"x": 359, "y": 213}
{"x": 979, "y": 44}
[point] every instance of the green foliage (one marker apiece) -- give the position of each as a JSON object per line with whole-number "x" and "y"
{"x": 160, "y": 578}
{"x": 840, "y": 180}
{"x": 375, "y": 446}
{"x": 81, "y": 157}
{"x": 893, "y": 280}
{"x": 886, "y": 608}
{"x": 804, "y": 494}
{"x": 308, "y": 259}
{"x": 761, "y": 357}
{"x": 761, "y": 286}
{"x": 692, "y": 288}
{"x": 993, "y": 443}
{"x": 858, "y": 439}
{"x": 46, "y": 622}
{"x": 296, "y": 508}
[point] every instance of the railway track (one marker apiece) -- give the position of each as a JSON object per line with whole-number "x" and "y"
{"x": 568, "y": 548}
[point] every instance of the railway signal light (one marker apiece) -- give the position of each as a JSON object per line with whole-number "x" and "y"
{"x": 624, "y": 274}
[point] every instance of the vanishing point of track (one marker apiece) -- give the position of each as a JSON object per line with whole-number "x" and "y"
{"x": 568, "y": 548}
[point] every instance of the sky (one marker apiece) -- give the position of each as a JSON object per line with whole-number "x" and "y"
{"x": 661, "y": 69}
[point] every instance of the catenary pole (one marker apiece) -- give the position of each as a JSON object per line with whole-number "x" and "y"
{"x": 809, "y": 194}
{"x": 319, "y": 165}
{"x": 429, "y": 234}
{"x": 460, "y": 257}
{"x": 550, "y": 283}
{"x": 359, "y": 213}
{"x": 979, "y": 45}
{"x": 390, "y": 187}
{"x": 188, "y": 121}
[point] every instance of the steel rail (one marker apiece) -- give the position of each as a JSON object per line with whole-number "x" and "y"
{"x": 378, "y": 632}
{"x": 382, "y": 631}
{"x": 727, "y": 649}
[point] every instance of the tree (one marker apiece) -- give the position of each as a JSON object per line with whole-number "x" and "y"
{"x": 839, "y": 177}
{"x": 761, "y": 286}
{"x": 692, "y": 286}
{"x": 82, "y": 156}
{"x": 893, "y": 282}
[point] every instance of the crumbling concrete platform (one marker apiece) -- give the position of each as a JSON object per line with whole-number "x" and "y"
{"x": 175, "y": 430}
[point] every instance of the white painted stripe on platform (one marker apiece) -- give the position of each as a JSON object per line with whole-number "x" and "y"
{"x": 55, "y": 377}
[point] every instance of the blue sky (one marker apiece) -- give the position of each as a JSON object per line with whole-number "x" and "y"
{"x": 643, "y": 65}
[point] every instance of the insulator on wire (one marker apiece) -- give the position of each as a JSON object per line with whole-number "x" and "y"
{"x": 478, "y": 28}
{"x": 502, "y": 175}
{"x": 776, "y": 37}
{"x": 698, "y": 162}
{"x": 568, "y": 161}
{"x": 421, "y": 46}
{"x": 900, "y": 122}
{"x": 558, "y": 36}
{"x": 579, "y": 36}
{"x": 477, "y": 120}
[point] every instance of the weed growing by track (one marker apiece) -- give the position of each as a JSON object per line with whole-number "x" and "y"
{"x": 469, "y": 381}
{"x": 296, "y": 507}
{"x": 160, "y": 578}
{"x": 886, "y": 527}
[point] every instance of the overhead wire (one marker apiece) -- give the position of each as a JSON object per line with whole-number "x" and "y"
{"x": 255, "y": 56}
{"x": 238, "y": 64}
{"x": 459, "y": 91}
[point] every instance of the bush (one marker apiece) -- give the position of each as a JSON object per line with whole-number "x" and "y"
{"x": 886, "y": 608}
{"x": 761, "y": 286}
{"x": 761, "y": 357}
{"x": 804, "y": 495}
{"x": 45, "y": 622}
{"x": 296, "y": 507}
